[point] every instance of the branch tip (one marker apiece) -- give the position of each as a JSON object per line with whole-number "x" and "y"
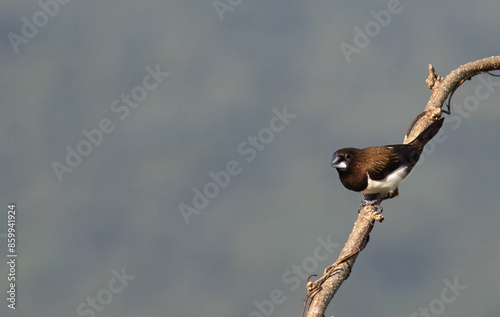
{"x": 432, "y": 79}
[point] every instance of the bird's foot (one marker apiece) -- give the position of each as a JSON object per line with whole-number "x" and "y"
{"x": 376, "y": 199}
{"x": 373, "y": 200}
{"x": 375, "y": 203}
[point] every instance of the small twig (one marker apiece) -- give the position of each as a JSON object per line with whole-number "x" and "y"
{"x": 413, "y": 123}
{"x": 443, "y": 87}
{"x": 432, "y": 78}
{"x": 448, "y": 103}
{"x": 313, "y": 288}
{"x": 334, "y": 275}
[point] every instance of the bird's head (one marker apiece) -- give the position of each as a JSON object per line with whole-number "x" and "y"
{"x": 342, "y": 158}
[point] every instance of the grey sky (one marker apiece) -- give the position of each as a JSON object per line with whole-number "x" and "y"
{"x": 145, "y": 106}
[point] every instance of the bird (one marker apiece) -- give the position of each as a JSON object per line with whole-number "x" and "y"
{"x": 377, "y": 171}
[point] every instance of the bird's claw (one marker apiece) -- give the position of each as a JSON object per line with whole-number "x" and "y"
{"x": 373, "y": 200}
{"x": 372, "y": 203}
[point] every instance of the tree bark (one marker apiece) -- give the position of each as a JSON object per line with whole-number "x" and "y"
{"x": 443, "y": 88}
{"x": 321, "y": 292}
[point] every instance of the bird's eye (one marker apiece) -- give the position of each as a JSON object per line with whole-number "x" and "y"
{"x": 348, "y": 156}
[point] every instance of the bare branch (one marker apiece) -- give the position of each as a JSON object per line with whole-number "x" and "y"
{"x": 321, "y": 292}
{"x": 442, "y": 88}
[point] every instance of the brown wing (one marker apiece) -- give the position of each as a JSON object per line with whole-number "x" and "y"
{"x": 382, "y": 161}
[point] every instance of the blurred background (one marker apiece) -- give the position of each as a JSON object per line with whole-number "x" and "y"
{"x": 117, "y": 118}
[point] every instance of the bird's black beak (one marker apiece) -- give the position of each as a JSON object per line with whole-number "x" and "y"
{"x": 338, "y": 162}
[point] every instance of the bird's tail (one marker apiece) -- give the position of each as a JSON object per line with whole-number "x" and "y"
{"x": 427, "y": 134}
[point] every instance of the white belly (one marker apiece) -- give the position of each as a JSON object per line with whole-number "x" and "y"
{"x": 388, "y": 184}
